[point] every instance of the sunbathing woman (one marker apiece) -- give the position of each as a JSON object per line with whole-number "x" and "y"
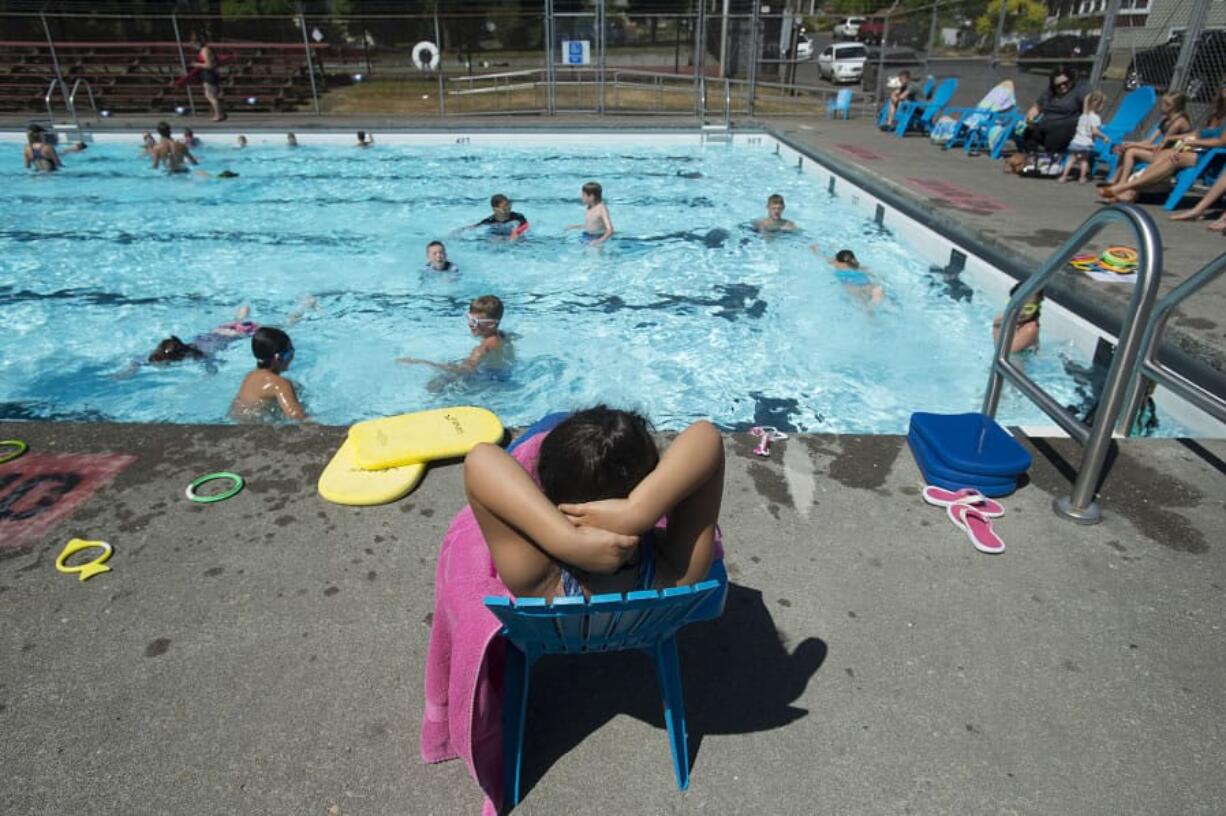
{"x": 1186, "y": 153}
{"x": 1173, "y": 125}
{"x": 590, "y": 525}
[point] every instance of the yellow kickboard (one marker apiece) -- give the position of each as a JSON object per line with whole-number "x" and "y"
{"x": 343, "y": 482}
{"x": 423, "y": 436}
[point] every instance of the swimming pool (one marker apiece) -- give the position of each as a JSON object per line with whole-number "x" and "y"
{"x": 688, "y": 313}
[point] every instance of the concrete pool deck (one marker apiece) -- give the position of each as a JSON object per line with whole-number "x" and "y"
{"x": 265, "y": 654}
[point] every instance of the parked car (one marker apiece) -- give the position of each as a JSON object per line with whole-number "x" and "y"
{"x": 848, "y": 29}
{"x": 842, "y": 62}
{"x": 804, "y": 47}
{"x": 871, "y": 30}
{"x": 1068, "y": 49}
{"x": 902, "y": 33}
{"x": 1206, "y": 70}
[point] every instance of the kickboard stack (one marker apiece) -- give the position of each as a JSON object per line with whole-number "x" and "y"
{"x": 382, "y": 460}
{"x": 954, "y": 451}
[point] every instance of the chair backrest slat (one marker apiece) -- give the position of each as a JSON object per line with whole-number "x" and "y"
{"x": 605, "y": 623}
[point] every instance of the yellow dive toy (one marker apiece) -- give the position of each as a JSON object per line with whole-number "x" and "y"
{"x": 90, "y": 568}
{"x": 382, "y": 460}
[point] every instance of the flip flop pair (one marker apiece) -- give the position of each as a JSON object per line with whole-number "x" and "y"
{"x": 972, "y": 513}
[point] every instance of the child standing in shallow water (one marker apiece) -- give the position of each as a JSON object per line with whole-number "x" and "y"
{"x": 597, "y": 226}
{"x": 265, "y": 387}
{"x": 494, "y": 349}
{"x": 1088, "y": 129}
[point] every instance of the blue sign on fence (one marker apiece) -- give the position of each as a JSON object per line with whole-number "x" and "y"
{"x": 576, "y": 52}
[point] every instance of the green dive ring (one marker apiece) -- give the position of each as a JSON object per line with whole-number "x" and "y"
{"x": 235, "y": 486}
{"x": 18, "y": 448}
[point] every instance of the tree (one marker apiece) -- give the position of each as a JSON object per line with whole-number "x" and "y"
{"x": 1021, "y": 17}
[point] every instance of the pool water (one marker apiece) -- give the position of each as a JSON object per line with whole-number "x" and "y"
{"x": 687, "y": 313}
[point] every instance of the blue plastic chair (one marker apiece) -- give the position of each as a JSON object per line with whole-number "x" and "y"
{"x": 925, "y": 93}
{"x": 921, "y": 115}
{"x": 841, "y": 104}
{"x": 1205, "y": 171}
{"x": 974, "y": 126}
{"x": 1132, "y": 110}
{"x": 646, "y": 619}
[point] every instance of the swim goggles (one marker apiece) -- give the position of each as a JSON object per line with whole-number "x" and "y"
{"x": 1029, "y": 310}
{"x": 474, "y": 322}
{"x": 287, "y": 355}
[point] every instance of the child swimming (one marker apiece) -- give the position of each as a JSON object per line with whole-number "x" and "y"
{"x": 590, "y": 527}
{"x": 774, "y": 220}
{"x": 503, "y": 222}
{"x": 855, "y": 278}
{"x": 1026, "y": 335}
{"x": 493, "y": 352}
{"x": 265, "y": 389}
{"x": 436, "y": 259}
{"x": 597, "y": 226}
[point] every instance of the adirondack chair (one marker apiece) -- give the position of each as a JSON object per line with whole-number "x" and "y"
{"x": 1188, "y": 176}
{"x": 1132, "y": 110}
{"x": 646, "y": 619}
{"x": 1205, "y": 171}
{"x": 841, "y": 104}
{"x": 925, "y": 93}
{"x": 920, "y": 115}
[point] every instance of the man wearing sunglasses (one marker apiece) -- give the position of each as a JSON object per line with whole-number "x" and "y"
{"x": 1051, "y": 122}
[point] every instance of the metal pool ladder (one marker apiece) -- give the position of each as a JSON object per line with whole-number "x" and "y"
{"x": 1150, "y": 370}
{"x": 1081, "y": 507}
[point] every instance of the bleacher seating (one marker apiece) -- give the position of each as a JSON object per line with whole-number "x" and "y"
{"x": 140, "y": 76}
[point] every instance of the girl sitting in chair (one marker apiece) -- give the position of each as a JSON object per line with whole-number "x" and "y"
{"x": 590, "y": 525}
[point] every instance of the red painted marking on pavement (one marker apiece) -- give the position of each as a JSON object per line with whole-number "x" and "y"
{"x": 860, "y": 152}
{"x": 960, "y": 197}
{"x": 39, "y": 490}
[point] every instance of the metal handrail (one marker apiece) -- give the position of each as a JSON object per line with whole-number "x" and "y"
{"x": 72, "y": 95}
{"x": 1080, "y": 506}
{"x": 50, "y": 93}
{"x": 1150, "y": 370}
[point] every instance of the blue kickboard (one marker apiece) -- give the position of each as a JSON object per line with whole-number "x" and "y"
{"x": 971, "y": 443}
{"x": 936, "y": 473}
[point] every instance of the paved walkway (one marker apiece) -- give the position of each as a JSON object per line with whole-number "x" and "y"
{"x": 264, "y": 655}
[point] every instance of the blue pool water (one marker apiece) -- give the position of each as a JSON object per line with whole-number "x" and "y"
{"x": 686, "y": 314}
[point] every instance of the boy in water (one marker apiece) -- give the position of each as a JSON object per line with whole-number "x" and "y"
{"x": 363, "y": 141}
{"x": 240, "y": 143}
{"x": 774, "y": 220}
{"x": 189, "y": 138}
{"x": 492, "y": 352}
{"x": 266, "y": 387}
{"x": 170, "y": 152}
{"x": 436, "y": 259}
{"x": 855, "y": 278}
{"x": 597, "y": 226}
{"x": 291, "y": 140}
{"x": 503, "y": 222}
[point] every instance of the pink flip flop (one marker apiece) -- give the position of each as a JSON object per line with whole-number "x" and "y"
{"x": 969, "y": 496}
{"x": 978, "y": 528}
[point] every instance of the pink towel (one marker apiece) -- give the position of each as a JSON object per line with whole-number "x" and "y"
{"x": 464, "y": 666}
{"x": 465, "y": 661}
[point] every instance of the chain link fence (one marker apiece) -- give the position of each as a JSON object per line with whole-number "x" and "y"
{"x": 713, "y": 59}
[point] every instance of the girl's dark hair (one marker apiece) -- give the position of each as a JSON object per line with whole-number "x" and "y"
{"x": 172, "y": 350}
{"x": 267, "y": 343}
{"x": 599, "y": 453}
{"x": 848, "y": 257}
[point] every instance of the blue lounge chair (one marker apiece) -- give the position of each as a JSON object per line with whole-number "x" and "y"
{"x": 1132, "y": 110}
{"x": 1205, "y": 171}
{"x": 920, "y": 116}
{"x": 841, "y": 104}
{"x": 646, "y": 620}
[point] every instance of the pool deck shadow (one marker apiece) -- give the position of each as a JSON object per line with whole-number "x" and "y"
{"x": 265, "y": 654}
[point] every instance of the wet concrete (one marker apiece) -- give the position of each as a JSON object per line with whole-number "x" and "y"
{"x": 264, "y": 654}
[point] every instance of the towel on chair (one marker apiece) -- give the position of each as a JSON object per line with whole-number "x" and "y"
{"x": 464, "y": 664}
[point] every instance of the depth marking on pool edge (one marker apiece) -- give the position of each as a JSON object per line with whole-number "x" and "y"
{"x": 40, "y": 490}
{"x": 959, "y": 197}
